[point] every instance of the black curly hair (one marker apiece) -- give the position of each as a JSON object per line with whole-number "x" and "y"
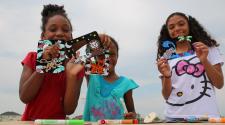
{"x": 196, "y": 30}
{"x": 51, "y": 10}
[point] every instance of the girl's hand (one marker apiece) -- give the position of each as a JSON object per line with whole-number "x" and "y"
{"x": 201, "y": 51}
{"x": 72, "y": 69}
{"x": 130, "y": 115}
{"x": 164, "y": 67}
{"x": 105, "y": 39}
{"x": 51, "y": 52}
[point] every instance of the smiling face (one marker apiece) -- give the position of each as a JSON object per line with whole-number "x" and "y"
{"x": 113, "y": 57}
{"x": 57, "y": 28}
{"x": 177, "y": 26}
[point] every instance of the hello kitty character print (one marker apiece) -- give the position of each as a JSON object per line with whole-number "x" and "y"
{"x": 192, "y": 91}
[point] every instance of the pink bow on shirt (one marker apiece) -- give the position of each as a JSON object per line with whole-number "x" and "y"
{"x": 192, "y": 69}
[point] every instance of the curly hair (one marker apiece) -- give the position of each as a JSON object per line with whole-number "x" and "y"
{"x": 51, "y": 10}
{"x": 196, "y": 30}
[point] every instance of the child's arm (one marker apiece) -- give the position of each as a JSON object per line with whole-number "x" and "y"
{"x": 164, "y": 69}
{"x": 128, "y": 99}
{"x": 73, "y": 86}
{"x": 166, "y": 87}
{"x": 214, "y": 72}
{"x": 30, "y": 82}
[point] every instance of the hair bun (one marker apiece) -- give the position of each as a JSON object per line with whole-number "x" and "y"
{"x": 51, "y": 9}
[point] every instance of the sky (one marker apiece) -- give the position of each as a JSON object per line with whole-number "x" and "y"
{"x": 135, "y": 24}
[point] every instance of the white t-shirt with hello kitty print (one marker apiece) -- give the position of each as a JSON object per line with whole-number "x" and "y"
{"x": 192, "y": 92}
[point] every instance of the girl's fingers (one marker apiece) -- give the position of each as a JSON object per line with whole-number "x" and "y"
{"x": 205, "y": 49}
{"x": 54, "y": 51}
{"x": 56, "y": 47}
{"x": 106, "y": 41}
{"x": 198, "y": 44}
{"x": 160, "y": 64}
{"x": 53, "y": 54}
{"x": 201, "y": 47}
{"x": 105, "y": 38}
{"x": 102, "y": 38}
{"x": 161, "y": 61}
{"x": 163, "y": 66}
{"x": 72, "y": 59}
{"x": 47, "y": 54}
{"x": 130, "y": 115}
{"x": 77, "y": 54}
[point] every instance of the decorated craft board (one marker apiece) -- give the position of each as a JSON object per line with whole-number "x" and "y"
{"x": 169, "y": 47}
{"x": 67, "y": 49}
